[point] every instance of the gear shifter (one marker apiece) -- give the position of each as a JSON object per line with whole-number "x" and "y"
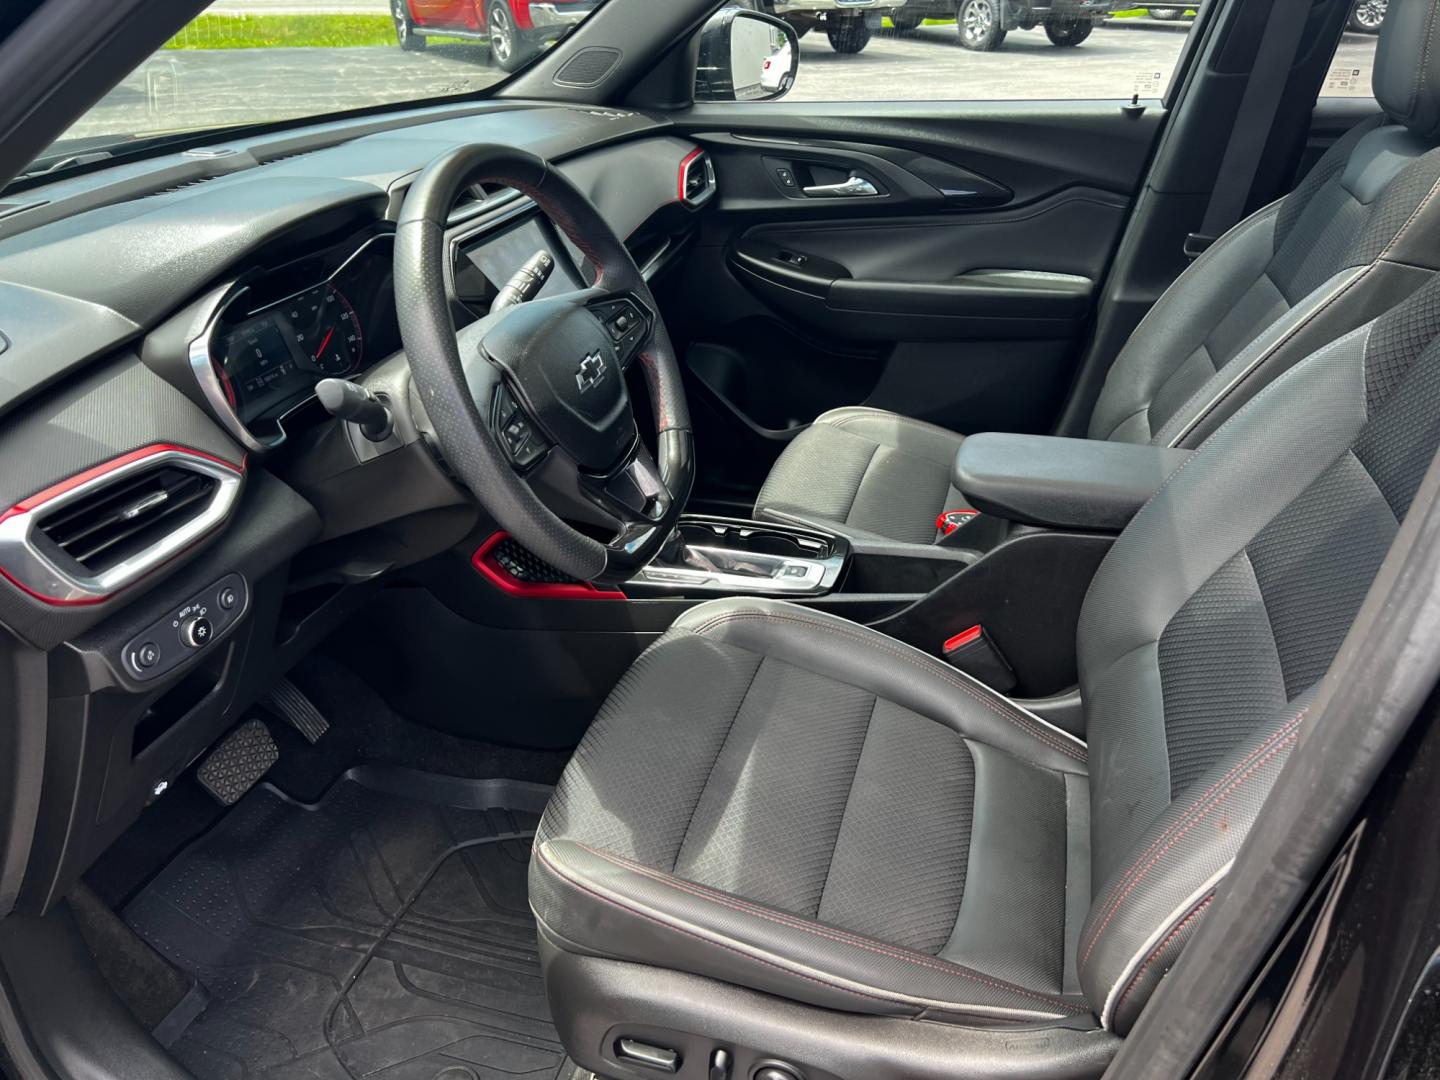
{"x": 676, "y": 552}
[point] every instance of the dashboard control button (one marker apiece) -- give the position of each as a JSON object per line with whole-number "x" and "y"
{"x": 196, "y": 631}
{"x": 169, "y": 643}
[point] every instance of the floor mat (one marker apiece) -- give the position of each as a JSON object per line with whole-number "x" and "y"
{"x": 382, "y": 932}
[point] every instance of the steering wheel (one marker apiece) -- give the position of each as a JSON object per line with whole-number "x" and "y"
{"x": 542, "y": 383}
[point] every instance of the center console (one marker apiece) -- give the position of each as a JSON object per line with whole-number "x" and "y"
{"x": 1006, "y": 579}
{"x": 729, "y": 556}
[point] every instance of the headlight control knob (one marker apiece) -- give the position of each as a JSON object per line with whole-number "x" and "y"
{"x": 196, "y": 631}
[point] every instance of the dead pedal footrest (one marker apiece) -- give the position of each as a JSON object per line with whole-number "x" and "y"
{"x": 289, "y": 702}
{"x": 238, "y": 763}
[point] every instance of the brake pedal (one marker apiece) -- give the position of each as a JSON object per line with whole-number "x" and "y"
{"x": 289, "y": 702}
{"x": 238, "y": 763}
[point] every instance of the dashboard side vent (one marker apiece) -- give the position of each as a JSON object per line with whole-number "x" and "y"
{"x": 588, "y": 67}
{"x": 118, "y": 521}
{"x": 183, "y": 185}
{"x": 697, "y": 179}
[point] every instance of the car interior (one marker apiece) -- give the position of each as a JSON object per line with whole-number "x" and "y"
{"x": 601, "y": 578}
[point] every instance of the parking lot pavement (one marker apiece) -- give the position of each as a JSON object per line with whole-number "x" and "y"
{"x": 929, "y": 64}
{"x": 198, "y": 88}
{"x": 1122, "y": 57}
{"x": 202, "y": 88}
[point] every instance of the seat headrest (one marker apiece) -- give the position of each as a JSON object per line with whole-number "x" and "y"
{"x": 1407, "y": 66}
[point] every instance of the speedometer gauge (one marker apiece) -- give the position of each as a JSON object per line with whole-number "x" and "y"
{"x": 327, "y": 330}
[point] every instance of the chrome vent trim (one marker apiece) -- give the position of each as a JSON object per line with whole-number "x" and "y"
{"x": 697, "y": 179}
{"x": 30, "y": 559}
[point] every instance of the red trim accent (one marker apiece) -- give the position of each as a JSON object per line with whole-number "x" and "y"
{"x": 40, "y": 498}
{"x": 489, "y": 568}
{"x": 943, "y": 523}
{"x": 964, "y": 637}
{"x": 685, "y": 161}
{"x": 520, "y": 9}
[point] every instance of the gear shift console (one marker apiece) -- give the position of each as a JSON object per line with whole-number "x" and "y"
{"x": 731, "y": 556}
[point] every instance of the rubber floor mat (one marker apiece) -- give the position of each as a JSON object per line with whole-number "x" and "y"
{"x": 382, "y": 932}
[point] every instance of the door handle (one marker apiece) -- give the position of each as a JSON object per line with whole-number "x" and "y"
{"x": 855, "y": 187}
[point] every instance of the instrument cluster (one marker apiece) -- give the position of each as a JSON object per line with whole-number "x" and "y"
{"x": 284, "y": 330}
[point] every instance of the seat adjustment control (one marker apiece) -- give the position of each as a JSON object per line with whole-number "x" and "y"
{"x": 775, "y": 1072}
{"x": 658, "y": 1058}
{"x": 720, "y": 1063}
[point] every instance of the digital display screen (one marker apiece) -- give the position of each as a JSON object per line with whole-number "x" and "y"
{"x": 289, "y": 330}
{"x": 261, "y": 364}
{"x": 493, "y": 262}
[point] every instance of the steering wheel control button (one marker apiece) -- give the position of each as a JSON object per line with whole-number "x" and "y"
{"x": 659, "y": 1058}
{"x": 625, "y": 323}
{"x": 190, "y": 628}
{"x": 522, "y": 442}
{"x": 197, "y": 632}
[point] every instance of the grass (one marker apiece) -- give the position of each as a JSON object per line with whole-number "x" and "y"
{"x": 328, "y": 31}
{"x": 290, "y": 31}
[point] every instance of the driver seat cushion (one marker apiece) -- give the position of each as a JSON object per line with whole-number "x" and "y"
{"x": 831, "y": 817}
{"x": 868, "y": 473}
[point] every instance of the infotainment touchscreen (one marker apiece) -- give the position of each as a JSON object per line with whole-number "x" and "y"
{"x": 499, "y": 255}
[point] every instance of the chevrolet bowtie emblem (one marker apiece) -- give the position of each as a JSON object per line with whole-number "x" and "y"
{"x": 592, "y": 370}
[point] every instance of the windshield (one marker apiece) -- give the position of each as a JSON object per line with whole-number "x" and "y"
{"x": 261, "y": 61}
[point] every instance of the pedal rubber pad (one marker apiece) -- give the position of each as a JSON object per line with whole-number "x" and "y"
{"x": 238, "y": 763}
{"x": 289, "y": 702}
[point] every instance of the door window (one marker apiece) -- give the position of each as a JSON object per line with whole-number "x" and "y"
{"x": 983, "y": 50}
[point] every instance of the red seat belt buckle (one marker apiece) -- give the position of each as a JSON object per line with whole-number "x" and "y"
{"x": 972, "y": 652}
{"x": 950, "y": 520}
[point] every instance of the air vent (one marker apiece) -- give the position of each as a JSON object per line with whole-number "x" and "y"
{"x": 183, "y": 185}
{"x": 588, "y": 67}
{"x": 697, "y": 179}
{"x": 120, "y": 520}
{"x": 88, "y": 537}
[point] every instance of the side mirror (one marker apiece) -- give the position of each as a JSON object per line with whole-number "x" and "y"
{"x": 745, "y": 56}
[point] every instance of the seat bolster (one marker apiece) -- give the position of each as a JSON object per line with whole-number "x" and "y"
{"x": 828, "y": 645}
{"x": 594, "y": 902}
{"x": 1147, "y": 909}
{"x": 1179, "y": 324}
{"x": 891, "y": 429}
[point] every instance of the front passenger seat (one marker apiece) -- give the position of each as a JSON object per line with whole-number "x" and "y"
{"x": 789, "y": 837}
{"x": 1359, "y": 234}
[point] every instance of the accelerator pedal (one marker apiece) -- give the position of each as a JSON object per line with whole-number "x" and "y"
{"x": 238, "y": 763}
{"x": 289, "y": 703}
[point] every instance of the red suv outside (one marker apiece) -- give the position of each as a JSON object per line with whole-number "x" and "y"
{"x": 515, "y": 29}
